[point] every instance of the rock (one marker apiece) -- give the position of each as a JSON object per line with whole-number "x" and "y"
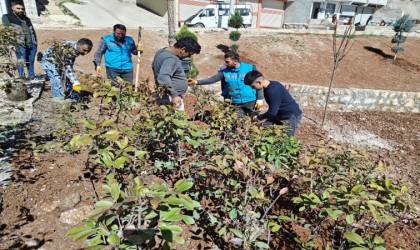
{"x": 17, "y": 91}
{"x": 75, "y": 216}
{"x": 71, "y": 201}
{"x": 49, "y": 207}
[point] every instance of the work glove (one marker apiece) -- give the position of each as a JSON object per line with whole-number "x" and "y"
{"x": 258, "y": 104}
{"x": 76, "y": 86}
{"x": 98, "y": 69}
{"x": 140, "y": 48}
{"x": 191, "y": 82}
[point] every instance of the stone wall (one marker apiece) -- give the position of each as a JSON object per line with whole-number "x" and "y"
{"x": 355, "y": 99}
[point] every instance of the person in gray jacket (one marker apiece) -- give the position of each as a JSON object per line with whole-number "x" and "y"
{"x": 168, "y": 71}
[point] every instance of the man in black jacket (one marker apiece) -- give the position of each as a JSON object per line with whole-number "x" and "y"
{"x": 26, "y": 42}
{"x": 282, "y": 108}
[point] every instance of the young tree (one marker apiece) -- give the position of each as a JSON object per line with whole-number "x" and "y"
{"x": 339, "y": 53}
{"x": 235, "y": 21}
{"x": 404, "y": 24}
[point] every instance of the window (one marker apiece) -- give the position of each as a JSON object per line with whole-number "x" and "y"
{"x": 243, "y": 12}
{"x": 329, "y": 10}
{"x": 209, "y": 12}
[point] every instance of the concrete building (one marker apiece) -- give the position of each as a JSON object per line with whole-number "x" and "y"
{"x": 302, "y": 13}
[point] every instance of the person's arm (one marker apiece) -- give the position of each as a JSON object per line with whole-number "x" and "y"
{"x": 165, "y": 75}
{"x": 274, "y": 101}
{"x": 5, "y": 20}
{"x": 99, "y": 52}
{"x": 210, "y": 80}
{"x": 134, "y": 49}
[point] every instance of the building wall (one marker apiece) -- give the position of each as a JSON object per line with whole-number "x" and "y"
{"x": 297, "y": 12}
{"x": 396, "y": 8}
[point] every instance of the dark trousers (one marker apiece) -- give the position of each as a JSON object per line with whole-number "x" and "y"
{"x": 246, "y": 108}
{"x": 125, "y": 74}
{"x": 26, "y": 57}
{"x": 291, "y": 124}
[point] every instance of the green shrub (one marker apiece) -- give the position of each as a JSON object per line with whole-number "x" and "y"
{"x": 234, "y": 35}
{"x": 234, "y": 47}
{"x": 236, "y": 21}
{"x": 184, "y": 32}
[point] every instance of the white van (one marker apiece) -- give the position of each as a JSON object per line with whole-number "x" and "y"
{"x": 217, "y": 16}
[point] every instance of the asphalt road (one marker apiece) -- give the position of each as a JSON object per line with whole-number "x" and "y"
{"x": 101, "y": 14}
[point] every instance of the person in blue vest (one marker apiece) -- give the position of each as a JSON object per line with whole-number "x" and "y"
{"x": 26, "y": 41}
{"x": 117, "y": 49}
{"x": 282, "y": 108}
{"x": 246, "y": 99}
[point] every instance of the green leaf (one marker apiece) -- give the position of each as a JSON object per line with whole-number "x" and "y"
{"x": 107, "y": 122}
{"x": 262, "y": 245}
{"x": 113, "y": 239}
{"x": 97, "y": 247}
{"x": 222, "y": 231}
{"x": 233, "y": 214}
{"x": 172, "y": 215}
{"x": 354, "y": 237}
{"x": 188, "y": 219}
{"x": 334, "y": 213}
{"x": 101, "y": 207}
{"x": 81, "y": 140}
{"x": 183, "y": 185}
{"x": 237, "y": 232}
{"x": 357, "y": 189}
{"x": 350, "y": 218}
{"x": 172, "y": 200}
{"x": 112, "y": 135}
{"x": 87, "y": 124}
{"x": 253, "y": 191}
{"x": 255, "y": 234}
{"x": 274, "y": 226}
{"x": 173, "y": 228}
{"x": 107, "y": 159}
{"x": 119, "y": 162}
{"x": 359, "y": 248}
{"x": 115, "y": 191}
{"x": 179, "y": 239}
{"x": 80, "y": 232}
{"x": 388, "y": 183}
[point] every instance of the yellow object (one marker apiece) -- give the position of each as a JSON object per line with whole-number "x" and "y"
{"x": 77, "y": 87}
{"x": 98, "y": 70}
{"x": 140, "y": 48}
{"x": 258, "y": 104}
{"x": 191, "y": 82}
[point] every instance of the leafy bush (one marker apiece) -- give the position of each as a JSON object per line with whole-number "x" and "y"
{"x": 234, "y": 35}
{"x": 242, "y": 184}
{"x": 8, "y": 62}
{"x": 234, "y": 47}
{"x": 184, "y": 32}
{"x": 236, "y": 21}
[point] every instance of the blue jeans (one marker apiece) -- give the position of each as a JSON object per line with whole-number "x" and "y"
{"x": 27, "y": 55}
{"x": 56, "y": 78}
{"x": 125, "y": 74}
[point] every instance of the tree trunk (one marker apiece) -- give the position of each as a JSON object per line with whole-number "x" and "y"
{"x": 232, "y": 7}
{"x": 171, "y": 23}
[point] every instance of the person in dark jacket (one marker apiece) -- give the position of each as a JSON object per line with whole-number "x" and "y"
{"x": 26, "y": 41}
{"x": 282, "y": 108}
{"x": 117, "y": 49}
{"x": 246, "y": 99}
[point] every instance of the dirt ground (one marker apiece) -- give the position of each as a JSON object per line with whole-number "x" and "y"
{"x": 44, "y": 184}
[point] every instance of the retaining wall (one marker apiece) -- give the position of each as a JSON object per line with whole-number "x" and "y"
{"x": 355, "y": 99}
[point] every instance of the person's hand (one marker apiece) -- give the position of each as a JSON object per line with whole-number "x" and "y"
{"x": 140, "y": 48}
{"x": 77, "y": 87}
{"x": 98, "y": 69}
{"x": 258, "y": 104}
{"x": 176, "y": 101}
{"x": 191, "y": 82}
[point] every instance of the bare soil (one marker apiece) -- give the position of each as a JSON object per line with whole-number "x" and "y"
{"x": 42, "y": 182}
